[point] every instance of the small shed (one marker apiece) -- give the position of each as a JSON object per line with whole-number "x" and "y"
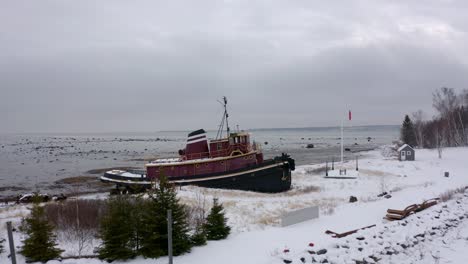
{"x": 406, "y": 152}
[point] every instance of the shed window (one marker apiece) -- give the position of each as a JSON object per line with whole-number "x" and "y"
{"x": 408, "y": 153}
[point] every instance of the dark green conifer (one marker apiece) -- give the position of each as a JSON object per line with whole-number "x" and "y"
{"x": 117, "y": 230}
{"x": 154, "y": 241}
{"x": 407, "y": 133}
{"x": 140, "y": 206}
{"x": 216, "y": 227}
{"x": 40, "y": 242}
{"x": 1, "y": 245}
{"x": 198, "y": 238}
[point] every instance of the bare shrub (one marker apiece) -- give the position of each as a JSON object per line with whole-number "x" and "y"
{"x": 66, "y": 214}
{"x": 319, "y": 170}
{"x": 267, "y": 220}
{"x": 76, "y": 220}
{"x": 303, "y": 190}
{"x": 390, "y": 151}
{"x": 383, "y": 186}
{"x": 448, "y": 195}
{"x": 329, "y": 210}
{"x": 196, "y": 212}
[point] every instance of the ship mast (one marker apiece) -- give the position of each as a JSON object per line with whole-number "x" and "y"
{"x": 225, "y": 118}
{"x": 226, "y": 114}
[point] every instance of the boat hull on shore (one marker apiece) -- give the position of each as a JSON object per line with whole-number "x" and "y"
{"x": 271, "y": 176}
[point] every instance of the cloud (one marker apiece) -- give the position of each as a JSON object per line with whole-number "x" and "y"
{"x": 156, "y": 65}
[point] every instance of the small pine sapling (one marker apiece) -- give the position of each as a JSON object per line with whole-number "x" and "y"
{"x": 40, "y": 243}
{"x": 216, "y": 227}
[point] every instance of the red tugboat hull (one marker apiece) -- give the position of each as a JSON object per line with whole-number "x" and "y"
{"x": 271, "y": 176}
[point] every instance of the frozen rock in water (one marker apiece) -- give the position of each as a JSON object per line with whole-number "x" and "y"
{"x": 352, "y": 199}
{"x": 321, "y": 252}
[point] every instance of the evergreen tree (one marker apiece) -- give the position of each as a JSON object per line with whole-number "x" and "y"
{"x": 40, "y": 242}
{"x": 1, "y": 245}
{"x": 407, "y": 133}
{"x": 216, "y": 227}
{"x": 117, "y": 230}
{"x": 154, "y": 240}
{"x": 140, "y": 206}
{"x": 198, "y": 238}
{"x": 149, "y": 244}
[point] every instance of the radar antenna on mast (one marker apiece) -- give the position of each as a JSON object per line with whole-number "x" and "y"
{"x": 225, "y": 118}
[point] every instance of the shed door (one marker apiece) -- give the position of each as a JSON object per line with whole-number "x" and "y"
{"x": 403, "y": 155}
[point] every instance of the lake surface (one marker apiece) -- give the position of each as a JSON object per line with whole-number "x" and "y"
{"x": 30, "y": 161}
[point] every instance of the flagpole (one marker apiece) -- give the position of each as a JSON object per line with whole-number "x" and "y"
{"x": 342, "y": 141}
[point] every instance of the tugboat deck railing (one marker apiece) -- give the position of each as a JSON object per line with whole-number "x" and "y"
{"x": 178, "y": 161}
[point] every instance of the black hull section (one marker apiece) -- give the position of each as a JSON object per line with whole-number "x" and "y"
{"x": 269, "y": 177}
{"x": 268, "y": 180}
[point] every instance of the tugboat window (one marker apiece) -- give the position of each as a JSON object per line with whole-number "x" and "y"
{"x": 220, "y": 146}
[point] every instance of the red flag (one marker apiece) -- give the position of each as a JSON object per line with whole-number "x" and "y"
{"x": 349, "y": 115}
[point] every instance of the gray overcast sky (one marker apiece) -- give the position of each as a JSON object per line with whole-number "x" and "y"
{"x": 103, "y": 66}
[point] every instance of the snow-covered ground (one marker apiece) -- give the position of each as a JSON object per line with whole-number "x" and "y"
{"x": 436, "y": 235}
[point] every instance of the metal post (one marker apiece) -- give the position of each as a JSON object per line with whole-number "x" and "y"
{"x": 357, "y": 164}
{"x": 169, "y": 235}
{"x": 333, "y": 163}
{"x": 342, "y": 142}
{"x": 12, "y": 245}
{"x": 326, "y": 168}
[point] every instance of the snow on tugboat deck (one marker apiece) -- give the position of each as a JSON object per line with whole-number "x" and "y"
{"x": 439, "y": 232}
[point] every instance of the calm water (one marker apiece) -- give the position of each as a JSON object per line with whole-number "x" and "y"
{"x": 37, "y": 160}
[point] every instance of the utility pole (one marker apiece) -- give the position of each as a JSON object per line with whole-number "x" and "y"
{"x": 169, "y": 235}
{"x": 12, "y": 245}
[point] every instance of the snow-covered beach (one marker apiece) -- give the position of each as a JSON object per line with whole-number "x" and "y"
{"x": 440, "y": 232}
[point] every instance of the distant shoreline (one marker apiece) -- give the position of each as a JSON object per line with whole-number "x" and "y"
{"x": 136, "y": 133}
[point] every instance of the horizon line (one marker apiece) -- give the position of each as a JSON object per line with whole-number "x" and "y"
{"x": 177, "y": 130}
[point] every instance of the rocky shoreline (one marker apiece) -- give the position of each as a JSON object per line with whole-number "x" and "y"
{"x": 70, "y": 186}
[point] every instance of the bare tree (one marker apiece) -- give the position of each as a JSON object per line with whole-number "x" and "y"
{"x": 440, "y": 137}
{"x": 445, "y": 101}
{"x": 464, "y": 98}
{"x": 418, "y": 121}
{"x": 464, "y": 112}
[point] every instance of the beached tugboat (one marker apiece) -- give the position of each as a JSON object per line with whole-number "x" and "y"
{"x": 230, "y": 162}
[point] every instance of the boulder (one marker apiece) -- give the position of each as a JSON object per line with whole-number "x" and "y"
{"x": 352, "y": 199}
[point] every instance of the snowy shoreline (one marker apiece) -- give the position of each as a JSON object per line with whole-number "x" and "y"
{"x": 257, "y": 237}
